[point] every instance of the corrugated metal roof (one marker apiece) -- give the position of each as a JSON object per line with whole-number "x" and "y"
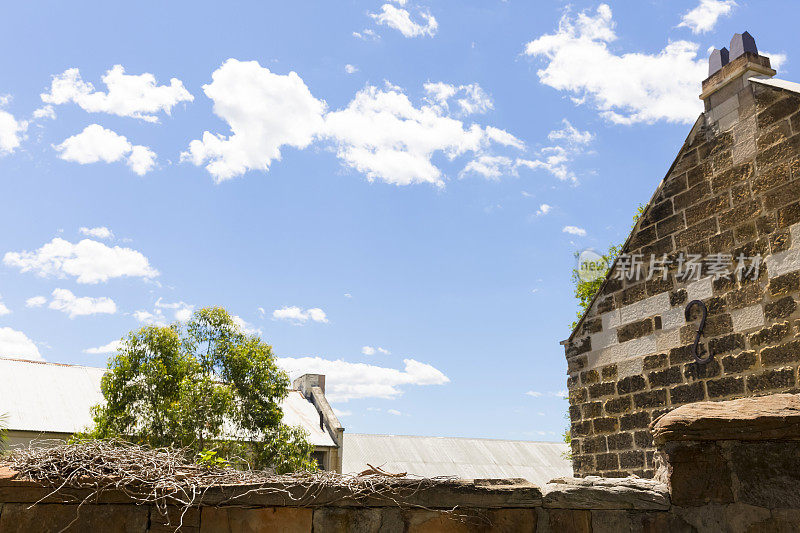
{"x": 56, "y": 398}
{"x": 538, "y": 462}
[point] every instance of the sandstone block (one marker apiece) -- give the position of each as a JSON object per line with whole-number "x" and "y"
{"x": 736, "y": 364}
{"x": 593, "y": 492}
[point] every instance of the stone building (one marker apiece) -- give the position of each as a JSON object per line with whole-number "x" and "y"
{"x": 732, "y": 197}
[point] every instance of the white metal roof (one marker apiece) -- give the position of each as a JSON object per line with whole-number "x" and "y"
{"x": 780, "y": 84}
{"x": 538, "y": 462}
{"x": 55, "y": 398}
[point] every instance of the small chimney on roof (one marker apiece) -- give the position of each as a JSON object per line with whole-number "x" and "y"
{"x": 726, "y": 92}
{"x": 741, "y": 43}
{"x": 305, "y": 382}
{"x": 718, "y": 59}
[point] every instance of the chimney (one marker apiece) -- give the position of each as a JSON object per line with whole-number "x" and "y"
{"x": 307, "y": 381}
{"x": 727, "y": 94}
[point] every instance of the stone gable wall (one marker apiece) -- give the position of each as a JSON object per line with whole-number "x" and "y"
{"x": 734, "y": 188}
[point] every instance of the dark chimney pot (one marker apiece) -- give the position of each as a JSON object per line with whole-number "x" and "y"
{"x": 717, "y": 60}
{"x": 741, "y": 43}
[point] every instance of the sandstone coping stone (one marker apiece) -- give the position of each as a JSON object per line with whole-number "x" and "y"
{"x": 593, "y": 492}
{"x": 774, "y": 417}
{"x": 443, "y": 494}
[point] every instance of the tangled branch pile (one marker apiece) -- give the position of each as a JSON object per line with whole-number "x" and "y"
{"x": 166, "y": 477}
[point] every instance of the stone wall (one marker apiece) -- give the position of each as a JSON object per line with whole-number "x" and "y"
{"x": 733, "y": 189}
{"x": 727, "y": 466}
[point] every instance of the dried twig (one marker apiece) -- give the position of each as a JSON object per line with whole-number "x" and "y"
{"x": 166, "y": 478}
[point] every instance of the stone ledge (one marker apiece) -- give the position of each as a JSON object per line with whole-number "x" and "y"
{"x": 774, "y": 417}
{"x": 442, "y": 494}
{"x": 593, "y": 492}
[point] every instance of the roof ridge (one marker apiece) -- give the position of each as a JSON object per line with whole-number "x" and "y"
{"x": 459, "y": 438}
{"x": 32, "y": 361}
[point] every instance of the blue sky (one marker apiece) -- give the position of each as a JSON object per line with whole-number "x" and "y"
{"x": 391, "y": 193}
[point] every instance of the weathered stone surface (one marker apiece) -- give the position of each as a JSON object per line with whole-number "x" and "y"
{"x": 768, "y": 380}
{"x": 347, "y": 520}
{"x": 634, "y": 421}
{"x": 770, "y": 335}
{"x": 485, "y": 521}
{"x": 656, "y": 398}
{"x": 594, "y": 492}
{"x": 631, "y": 384}
{"x": 568, "y": 520}
{"x": 767, "y": 474}
{"x": 238, "y": 520}
{"x": 785, "y": 353}
{"x": 780, "y": 309}
{"x": 766, "y": 417}
{"x": 188, "y": 520}
{"x": 17, "y": 517}
{"x": 687, "y": 393}
{"x": 734, "y": 518}
{"x": 697, "y": 473}
{"x": 727, "y": 386}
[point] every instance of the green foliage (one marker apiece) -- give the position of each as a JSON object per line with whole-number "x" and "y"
{"x": 567, "y": 436}
{"x": 3, "y": 430}
{"x": 204, "y": 386}
{"x": 585, "y": 290}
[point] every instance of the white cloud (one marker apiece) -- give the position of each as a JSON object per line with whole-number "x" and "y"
{"x": 380, "y": 133}
{"x": 12, "y": 131}
{"x": 181, "y": 310}
{"x": 394, "y": 412}
{"x": 571, "y": 134}
{"x": 384, "y": 136}
{"x": 141, "y": 159}
{"x": 350, "y": 69}
{"x": 65, "y": 301}
{"x": 137, "y": 96}
{"x": 100, "y": 232}
{"x": 554, "y": 394}
{"x": 776, "y": 60}
{"x": 265, "y": 111}
{"x": 704, "y": 17}
{"x": 470, "y": 98}
{"x": 400, "y": 20}
{"x": 246, "y": 327}
{"x": 367, "y": 34}
{"x": 347, "y": 381}
{"x": 627, "y": 88}
{"x": 111, "y": 347}
{"x": 341, "y": 413}
{"x": 16, "y": 344}
{"x": 298, "y": 315}
{"x": 574, "y": 230}
{"x": 491, "y": 167}
{"x": 96, "y": 143}
{"x": 543, "y": 210}
{"x": 89, "y": 261}
{"x": 370, "y": 350}
{"x": 35, "y": 301}
{"x": 150, "y": 319}
{"x": 46, "y": 111}
{"x": 4, "y": 310}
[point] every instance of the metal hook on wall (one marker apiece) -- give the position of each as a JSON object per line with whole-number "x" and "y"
{"x": 696, "y": 353}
